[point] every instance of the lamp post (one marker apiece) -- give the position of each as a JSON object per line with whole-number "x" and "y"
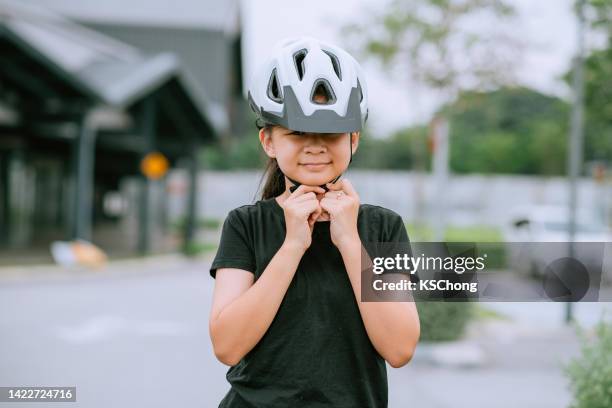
{"x": 576, "y": 137}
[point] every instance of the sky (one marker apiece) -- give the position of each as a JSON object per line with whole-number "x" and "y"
{"x": 546, "y": 25}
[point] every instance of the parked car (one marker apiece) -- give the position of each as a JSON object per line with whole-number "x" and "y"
{"x": 542, "y": 224}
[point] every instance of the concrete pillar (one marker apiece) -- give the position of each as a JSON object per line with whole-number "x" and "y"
{"x": 83, "y": 158}
{"x": 148, "y": 122}
{"x": 5, "y": 226}
{"x": 191, "y": 215}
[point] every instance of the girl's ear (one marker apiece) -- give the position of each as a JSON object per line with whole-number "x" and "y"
{"x": 355, "y": 141}
{"x": 265, "y": 137}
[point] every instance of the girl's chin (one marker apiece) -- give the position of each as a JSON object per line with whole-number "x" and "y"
{"x": 316, "y": 179}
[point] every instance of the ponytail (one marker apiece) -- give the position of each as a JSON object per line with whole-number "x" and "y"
{"x": 275, "y": 179}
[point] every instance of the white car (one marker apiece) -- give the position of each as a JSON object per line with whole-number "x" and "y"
{"x": 541, "y": 224}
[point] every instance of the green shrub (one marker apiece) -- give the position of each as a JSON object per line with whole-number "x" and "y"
{"x": 590, "y": 373}
{"x": 203, "y": 223}
{"x": 197, "y": 248}
{"x": 443, "y": 321}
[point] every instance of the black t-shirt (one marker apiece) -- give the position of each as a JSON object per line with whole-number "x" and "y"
{"x": 316, "y": 352}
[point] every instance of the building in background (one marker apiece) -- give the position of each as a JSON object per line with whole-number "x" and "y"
{"x": 206, "y": 35}
{"x": 80, "y": 109}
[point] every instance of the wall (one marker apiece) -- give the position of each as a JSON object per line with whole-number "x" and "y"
{"x": 471, "y": 199}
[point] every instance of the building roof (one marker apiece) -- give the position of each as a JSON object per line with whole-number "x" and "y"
{"x": 212, "y": 14}
{"x": 109, "y": 71}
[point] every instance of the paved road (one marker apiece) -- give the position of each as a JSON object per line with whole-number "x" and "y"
{"x": 140, "y": 339}
{"x": 123, "y": 341}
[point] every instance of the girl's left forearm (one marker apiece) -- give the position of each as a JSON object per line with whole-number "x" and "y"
{"x": 393, "y": 327}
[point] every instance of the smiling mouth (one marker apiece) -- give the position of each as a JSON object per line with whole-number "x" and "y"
{"x": 315, "y": 165}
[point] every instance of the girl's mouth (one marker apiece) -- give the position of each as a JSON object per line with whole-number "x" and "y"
{"x": 315, "y": 166}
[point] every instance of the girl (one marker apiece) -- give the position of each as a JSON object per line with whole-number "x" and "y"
{"x": 287, "y": 314}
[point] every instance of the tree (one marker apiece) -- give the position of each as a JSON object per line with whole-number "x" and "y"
{"x": 598, "y": 105}
{"x": 598, "y": 84}
{"x": 440, "y": 43}
{"x": 510, "y": 130}
{"x": 600, "y": 16}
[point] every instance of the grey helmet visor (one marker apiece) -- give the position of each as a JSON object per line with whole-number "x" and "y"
{"x": 321, "y": 121}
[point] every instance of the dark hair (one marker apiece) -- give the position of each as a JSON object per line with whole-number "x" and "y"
{"x": 275, "y": 179}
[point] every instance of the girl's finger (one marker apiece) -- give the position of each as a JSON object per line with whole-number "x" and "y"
{"x": 328, "y": 204}
{"x": 334, "y": 194}
{"x": 313, "y": 216}
{"x": 344, "y": 185}
{"x": 303, "y": 188}
{"x": 309, "y": 206}
{"x": 348, "y": 188}
{"x": 304, "y": 197}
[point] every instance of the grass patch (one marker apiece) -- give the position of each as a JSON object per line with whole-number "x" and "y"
{"x": 476, "y": 233}
{"x": 198, "y": 248}
{"x": 495, "y": 247}
{"x": 201, "y": 223}
{"x": 483, "y": 313}
{"x": 472, "y": 233}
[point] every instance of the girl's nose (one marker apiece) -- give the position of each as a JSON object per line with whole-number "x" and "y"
{"x": 315, "y": 143}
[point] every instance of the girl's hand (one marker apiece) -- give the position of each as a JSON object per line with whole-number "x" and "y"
{"x": 301, "y": 211}
{"x": 342, "y": 204}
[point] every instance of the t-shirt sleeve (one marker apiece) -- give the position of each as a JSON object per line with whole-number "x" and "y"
{"x": 396, "y": 231}
{"x": 396, "y": 237}
{"x": 235, "y": 250}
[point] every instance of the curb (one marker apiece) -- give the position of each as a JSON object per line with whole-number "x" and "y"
{"x": 151, "y": 264}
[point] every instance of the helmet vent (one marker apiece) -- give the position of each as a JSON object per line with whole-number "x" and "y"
{"x": 360, "y": 91}
{"x": 298, "y": 59}
{"x": 322, "y": 87}
{"x": 335, "y": 64}
{"x": 273, "y": 88}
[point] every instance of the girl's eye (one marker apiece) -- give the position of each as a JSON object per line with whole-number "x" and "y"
{"x": 297, "y": 133}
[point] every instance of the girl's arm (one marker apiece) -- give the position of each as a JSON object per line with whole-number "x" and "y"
{"x": 393, "y": 327}
{"x": 242, "y": 310}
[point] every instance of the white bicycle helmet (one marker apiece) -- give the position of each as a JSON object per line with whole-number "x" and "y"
{"x": 283, "y": 91}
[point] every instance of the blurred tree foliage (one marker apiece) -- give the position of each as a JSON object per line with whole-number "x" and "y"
{"x": 598, "y": 105}
{"x": 511, "y": 130}
{"x": 445, "y": 45}
{"x": 598, "y": 85}
{"x": 599, "y": 14}
{"x": 400, "y": 151}
{"x": 239, "y": 152}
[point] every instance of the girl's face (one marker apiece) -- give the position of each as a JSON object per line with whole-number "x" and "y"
{"x": 310, "y": 158}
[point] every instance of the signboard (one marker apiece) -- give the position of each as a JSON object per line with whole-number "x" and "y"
{"x": 154, "y": 165}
